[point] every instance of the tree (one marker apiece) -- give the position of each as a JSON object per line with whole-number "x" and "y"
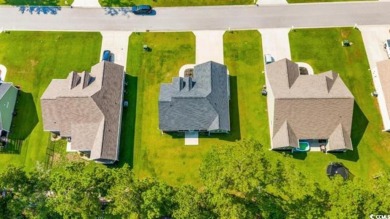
{"x": 124, "y": 194}
{"x": 157, "y": 199}
{"x": 24, "y": 194}
{"x": 236, "y": 177}
{"x": 191, "y": 204}
{"x": 76, "y": 188}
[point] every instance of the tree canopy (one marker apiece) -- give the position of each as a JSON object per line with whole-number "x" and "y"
{"x": 239, "y": 181}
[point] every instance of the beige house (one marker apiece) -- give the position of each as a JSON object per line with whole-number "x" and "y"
{"x": 381, "y": 77}
{"x": 86, "y": 108}
{"x": 315, "y": 109}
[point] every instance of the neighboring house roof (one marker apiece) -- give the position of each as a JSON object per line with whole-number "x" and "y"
{"x": 308, "y": 107}
{"x": 8, "y": 95}
{"x": 197, "y": 103}
{"x": 383, "y": 89}
{"x": 87, "y": 107}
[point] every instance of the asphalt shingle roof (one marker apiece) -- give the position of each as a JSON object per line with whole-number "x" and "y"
{"x": 197, "y": 103}
{"x": 88, "y": 108}
{"x": 308, "y": 106}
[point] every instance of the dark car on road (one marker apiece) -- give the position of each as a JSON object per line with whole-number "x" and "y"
{"x": 106, "y": 56}
{"x": 142, "y": 9}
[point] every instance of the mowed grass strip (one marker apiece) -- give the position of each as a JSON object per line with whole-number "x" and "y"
{"x": 147, "y": 150}
{"x": 243, "y": 57}
{"x": 322, "y": 49}
{"x": 33, "y": 59}
{"x": 166, "y": 3}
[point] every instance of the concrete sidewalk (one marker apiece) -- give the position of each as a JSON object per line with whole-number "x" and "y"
{"x": 191, "y": 138}
{"x": 276, "y": 43}
{"x": 209, "y": 46}
{"x": 117, "y": 42}
{"x": 86, "y": 3}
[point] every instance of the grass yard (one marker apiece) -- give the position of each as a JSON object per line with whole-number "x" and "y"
{"x": 32, "y": 60}
{"x": 37, "y": 2}
{"x": 322, "y": 49}
{"x": 166, "y": 3}
{"x": 165, "y": 156}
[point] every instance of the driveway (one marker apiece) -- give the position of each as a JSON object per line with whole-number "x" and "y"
{"x": 276, "y": 43}
{"x": 117, "y": 42}
{"x": 374, "y": 38}
{"x": 209, "y": 46}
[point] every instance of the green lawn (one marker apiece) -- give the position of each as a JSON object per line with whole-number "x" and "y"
{"x": 37, "y": 2}
{"x": 166, "y": 3}
{"x": 165, "y": 156}
{"x": 322, "y": 49}
{"x": 32, "y": 60}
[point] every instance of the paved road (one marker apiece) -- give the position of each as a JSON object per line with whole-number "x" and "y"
{"x": 198, "y": 18}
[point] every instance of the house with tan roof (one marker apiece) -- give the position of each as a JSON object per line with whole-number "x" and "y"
{"x": 86, "y": 108}
{"x": 313, "y": 109}
{"x": 381, "y": 77}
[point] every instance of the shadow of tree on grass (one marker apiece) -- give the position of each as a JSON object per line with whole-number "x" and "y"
{"x": 33, "y": 2}
{"x": 53, "y": 10}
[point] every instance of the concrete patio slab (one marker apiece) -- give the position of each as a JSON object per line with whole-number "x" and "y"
{"x": 117, "y": 42}
{"x": 3, "y": 72}
{"x": 209, "y": 46}
{"x": 276, "y": 43}
{"x": 86, "y": 3}
{"x": 191, "y": 138}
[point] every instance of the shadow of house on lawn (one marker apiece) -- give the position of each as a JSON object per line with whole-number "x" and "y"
{"x": 126, "y": 153}
{"x": 23, "y": 123}
{"x": 359, "y": 126}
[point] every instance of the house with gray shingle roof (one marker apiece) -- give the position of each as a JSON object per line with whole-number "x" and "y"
{"x": 8, "y": 95}
{"x": 86, "y": 108}
{"x": 197, "y": 103}
{"x": 310, "y": 108}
